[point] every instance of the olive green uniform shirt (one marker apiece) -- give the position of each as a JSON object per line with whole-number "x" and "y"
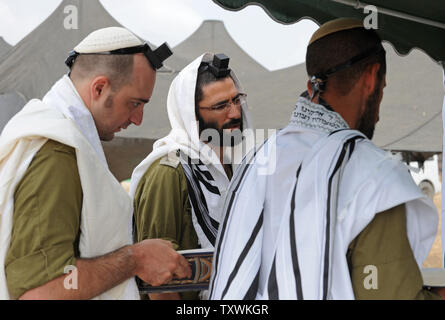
{"x": 162, "y": 207}
{"x": 384, "y": 244}
{"x": 46, "y": 219}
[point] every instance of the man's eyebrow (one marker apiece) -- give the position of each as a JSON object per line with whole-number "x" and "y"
{"x": 141, "y": 100}
{"x": 221, "y": 102}
{"x": 225, "y": 101}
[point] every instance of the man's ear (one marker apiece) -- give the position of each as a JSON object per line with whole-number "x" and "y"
{"x": 98, "y": 86}
{"x": 371, "y": 75}
{"x": 309, "y": 88}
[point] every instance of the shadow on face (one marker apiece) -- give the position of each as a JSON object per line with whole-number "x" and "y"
{"x": 370, "y": 115}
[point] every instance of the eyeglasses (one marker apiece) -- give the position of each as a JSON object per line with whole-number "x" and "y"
{"x": 154, "y": 57}
{"x": 237, "y": 101}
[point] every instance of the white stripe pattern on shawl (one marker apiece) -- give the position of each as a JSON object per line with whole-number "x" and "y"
{"x": 275, "y": 243}
{"x": 106, "y": 208}
{"x": 185, "y": 138}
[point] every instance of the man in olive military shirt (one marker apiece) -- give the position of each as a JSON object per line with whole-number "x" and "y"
{"x": 338, "y": 218}
{"x": 62, "y": 210}
{"x": 178, "y": 188}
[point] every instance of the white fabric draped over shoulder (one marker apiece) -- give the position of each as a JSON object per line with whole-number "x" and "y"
{"x": 106, "y": 208}
{"x": 295, "y": 206}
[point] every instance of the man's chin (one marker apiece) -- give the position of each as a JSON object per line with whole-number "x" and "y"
{"x": 232, "y": 137}
{"x": 107, "y": 137}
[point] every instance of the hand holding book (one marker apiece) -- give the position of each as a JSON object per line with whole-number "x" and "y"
{"x": 200, "y": 261}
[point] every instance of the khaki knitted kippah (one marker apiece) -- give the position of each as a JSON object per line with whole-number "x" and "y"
{"x": 335, "y": 26}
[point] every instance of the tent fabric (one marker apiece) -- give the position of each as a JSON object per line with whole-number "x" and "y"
{"x": 401, "y": 32}
{"x": 410, "y": 113}
{"x": 37, "y": 61}
{"x": 4, "y": 48}
{"x": 10, "y": 104}
{"x": 124, "y": 154}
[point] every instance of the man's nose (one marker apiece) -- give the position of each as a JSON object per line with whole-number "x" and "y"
{"x": 137, "y": 116}
{"x": 234, "y": 111}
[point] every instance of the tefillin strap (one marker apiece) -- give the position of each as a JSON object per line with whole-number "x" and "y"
{"x": 318, "y": 81}
{"x": 219, "y": 67}
{"x": 155, "y": 57}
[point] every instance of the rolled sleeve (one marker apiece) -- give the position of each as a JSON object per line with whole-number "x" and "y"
{"x": 384, "y": 246}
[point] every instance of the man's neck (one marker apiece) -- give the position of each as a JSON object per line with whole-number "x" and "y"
{"x": 347, "y": 106}
{"x": 82, "y": 90}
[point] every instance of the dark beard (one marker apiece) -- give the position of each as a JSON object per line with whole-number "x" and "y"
{"x": 368, "y": 119}
{"x": 225, "y": 139}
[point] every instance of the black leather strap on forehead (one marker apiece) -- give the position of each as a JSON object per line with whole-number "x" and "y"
{"x": 155, "y": 57}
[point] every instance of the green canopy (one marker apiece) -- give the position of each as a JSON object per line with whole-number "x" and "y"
{"x": 406, "y": 24}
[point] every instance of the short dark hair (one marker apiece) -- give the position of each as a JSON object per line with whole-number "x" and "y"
{"x": 204, "y": 78}
{"x": 117, "y": 68}
{"x": 337, "y": 48}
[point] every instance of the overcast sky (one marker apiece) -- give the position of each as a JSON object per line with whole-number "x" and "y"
{"x": 273, "y": 45}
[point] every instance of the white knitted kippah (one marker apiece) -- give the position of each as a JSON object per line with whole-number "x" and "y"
{"x": 108, "y": 39}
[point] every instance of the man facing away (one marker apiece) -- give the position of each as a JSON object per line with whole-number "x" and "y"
{"x": 178, "y": 188}
{"x": 337, "y": 218}
{"x": 61, "y": 208}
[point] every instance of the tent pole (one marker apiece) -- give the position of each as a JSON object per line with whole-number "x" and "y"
{"x": 442, "y": 63}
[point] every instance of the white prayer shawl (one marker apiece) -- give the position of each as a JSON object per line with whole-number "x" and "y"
{"x": 206, "y": 179}
{"x": 106, "y": 208}
{"x": 285, "y": 235}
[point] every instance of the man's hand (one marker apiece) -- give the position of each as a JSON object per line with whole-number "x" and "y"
{"x": 157, "y": 262}
{"x": 440, "y": 291}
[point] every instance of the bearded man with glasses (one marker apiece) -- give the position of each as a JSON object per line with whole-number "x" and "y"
{"x": 178, "y": 189}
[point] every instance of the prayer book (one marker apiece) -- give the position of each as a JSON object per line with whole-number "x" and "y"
{"x": 200, "y": 261}
{"x": 433, "y": 277}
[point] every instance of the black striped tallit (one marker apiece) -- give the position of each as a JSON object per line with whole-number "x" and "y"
{"x": 293, "y": 243}
{"x": 331, "y": 208}
{"x": 237, "y": 180}
{"x": 242, "y": 257}
{"x": 199, "y": 182}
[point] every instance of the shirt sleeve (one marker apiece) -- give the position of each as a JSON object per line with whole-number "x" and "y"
{"x": 162, "y": 208}
{"x": 381, "y": 262}
{"x": 46, "y": 220}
